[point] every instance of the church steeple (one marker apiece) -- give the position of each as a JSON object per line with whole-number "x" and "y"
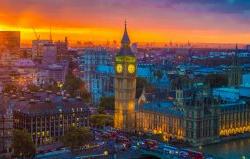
{"x": 125, "y": 43}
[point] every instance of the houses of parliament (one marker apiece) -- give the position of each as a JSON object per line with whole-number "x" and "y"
{"x": 196, "y": 115}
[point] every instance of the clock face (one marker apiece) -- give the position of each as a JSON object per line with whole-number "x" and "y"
{"x": 119, "y": 68}
{"x": 131, "y": 68}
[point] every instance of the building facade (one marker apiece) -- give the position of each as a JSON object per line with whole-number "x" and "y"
{"x": 10, "y": 41}
{"x": 234, "y": 118}
{"x": 201, "y": 122}
{"x": 49, "y": 54}
{"x": 197, "y": 115}
{"x": 235, "y": 71}
{"x": 160, "y": 118}
{"x": 125, "y": 86}
{"x": 6, "y": 129}
{"x": 47, "y": 116}
{"x": 97, "y": 82}
{"x": 62, "y": 49}
{"x": 198, "y": 119}
{"x": 37, "y": 48}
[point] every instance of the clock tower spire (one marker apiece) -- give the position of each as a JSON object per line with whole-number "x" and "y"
{"x": 125, "y": 85}
{"x": 125, "y": 44}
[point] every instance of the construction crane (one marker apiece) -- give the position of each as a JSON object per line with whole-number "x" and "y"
{"x": 37, "y": 42}
{"x": 50, "y": 35}
{"x": 36, "y": 35}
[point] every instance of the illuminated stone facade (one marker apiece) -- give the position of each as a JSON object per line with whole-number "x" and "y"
{"x": 195, "y": 115}
{"x": 199, "y": 119}
{"x": 160, "y": 118}
{"x": 234, "y": 118}
{"x": 125, "y": 86}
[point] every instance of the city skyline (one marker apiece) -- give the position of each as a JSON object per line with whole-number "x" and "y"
{"x": 202, "y": 21}
{"x": 115, "y": 79}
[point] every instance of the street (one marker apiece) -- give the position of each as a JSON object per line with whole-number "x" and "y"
{"x": 112, "y": 144}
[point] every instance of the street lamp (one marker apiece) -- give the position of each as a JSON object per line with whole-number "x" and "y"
{"x": 106, "y": 153}
{"x": 60, "y": 84}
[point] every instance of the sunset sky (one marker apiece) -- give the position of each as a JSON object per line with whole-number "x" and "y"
{"x": 223, "y": 21}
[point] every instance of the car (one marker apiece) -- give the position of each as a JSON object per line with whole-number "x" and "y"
{"x": 151, "y": 144}
{"x": 120, "y": 147}
{"x": 183, "y": 154}
{"x": 140, "y": 143}
{"x": 122, "y": 139}
{"x": 194, "y": 154}
{"x": 134, "y": 147}
{"x": 171, "y": 150}
{"x": 207, "y": 156}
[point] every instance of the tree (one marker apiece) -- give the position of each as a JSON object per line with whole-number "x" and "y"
{"x": 22, "y": 144}
{"x": 101, "y": 110}
{"x": 216, "y": 80}
{"x": 101, "y": 120}
{"x": 85, "y": 95}
{"x": 142, "y": 83}
{"x": 10, "y": 87}
{"x": 158, "y": 74}
{"x": 76, "y": 137}
{"x": 25, "y": 54}
{"x": 72, "y": 65}
{"x": 72, "y": 84}
{"x": 33, "y": 88}
{"x": 107, "y": 103}
{"x": 75, "y": 86}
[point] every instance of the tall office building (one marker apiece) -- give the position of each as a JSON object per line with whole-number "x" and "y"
{"x": 10, "y": 40}
{"x": 125, "y": 86}
{"x": 62, "y": 49}
{"x": 49, "y": 54}
{"x": 37, "y": 48}
{"x": 98, "y": 83}
{"x": 6, "y": 128}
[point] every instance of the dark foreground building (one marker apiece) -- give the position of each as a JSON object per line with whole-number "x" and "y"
{"x": 6, "y": 127}
{"x": 48, "y": 116}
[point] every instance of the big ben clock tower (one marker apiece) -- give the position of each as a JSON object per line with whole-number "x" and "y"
{"x": 125, "y": 86}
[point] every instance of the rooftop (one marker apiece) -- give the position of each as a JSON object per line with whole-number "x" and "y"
{"x": 165, "y": 107}
{"x": 39, "y": 103}
{"x": 228, "y": 89}
{"x": 233, "y": 104}
{"x": 25, "y": 63}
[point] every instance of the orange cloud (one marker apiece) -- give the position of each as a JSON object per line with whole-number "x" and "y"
{"x": 98, "y": 29}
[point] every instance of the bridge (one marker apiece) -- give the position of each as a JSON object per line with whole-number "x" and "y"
{"x": 157, "y": 154}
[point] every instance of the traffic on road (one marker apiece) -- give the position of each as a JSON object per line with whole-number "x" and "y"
{"x": 110, "y": 142}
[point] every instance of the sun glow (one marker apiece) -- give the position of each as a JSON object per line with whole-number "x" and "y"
{"x": 58, "y": 33}
{"x": 104, "y": 34}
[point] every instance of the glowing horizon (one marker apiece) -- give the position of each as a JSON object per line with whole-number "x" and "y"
{"x": 148, "y": 21}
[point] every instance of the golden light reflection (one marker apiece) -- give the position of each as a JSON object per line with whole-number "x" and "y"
{"x": 234, "y": 131}
{"x": 159, "y": 124}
